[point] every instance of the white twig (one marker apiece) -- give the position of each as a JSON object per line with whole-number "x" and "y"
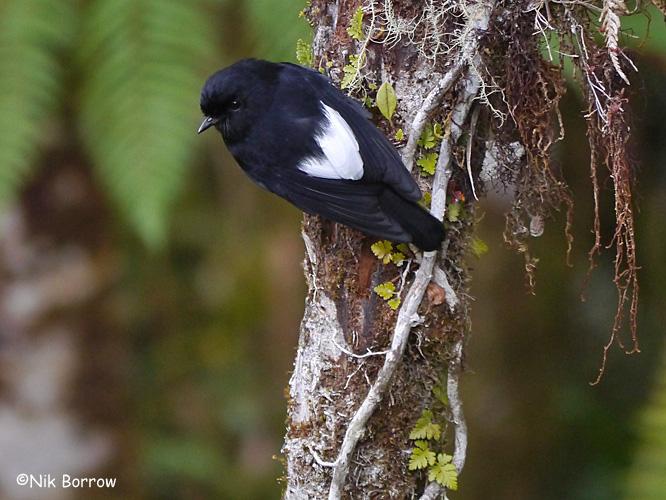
{"x": 431, "y": 101}
{"x": 318, "y": 459}
{"x": 361, "y": 59}
{"x": 434, "y": 490}
{"x": 356, "y": 427}
{"x": 360, "y": 365}
{"x": 403, "y": 276}
{"x": 455, "y": 403}
{"x": 403, "y": 326}
{"x": 358, "y": 356}
{"x": 460, "y": 112}
{"x": 472, "y": 130}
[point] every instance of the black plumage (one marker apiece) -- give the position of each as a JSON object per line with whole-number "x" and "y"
{"x": 298, "y": 136}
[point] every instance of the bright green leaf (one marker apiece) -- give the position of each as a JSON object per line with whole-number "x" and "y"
{"x": 394, "y": 303}
{"x": 426, "y": 200}
{"x": 398, "y": 258}
{"x": 427, "y": 139}
{"x": 421, "y": 456}
{"x": 425, "y": 428}
{"x": 386, "y": 100}
{"x": 402, "y": 247}
{"x": 399, "y": 135}
{"x": 444, "y": 472}
{"x": 385, "y": 290}
{"x": 355, "y": 28}
{"x": 428, "y": 163}
{"x": 382, "y": 250}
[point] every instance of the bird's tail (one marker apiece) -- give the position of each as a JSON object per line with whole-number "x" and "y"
{"x": 426, "y": 231}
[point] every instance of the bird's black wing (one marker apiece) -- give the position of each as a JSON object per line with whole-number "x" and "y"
{"x": 381, "y": 161}
{"x": 348, "y": 202}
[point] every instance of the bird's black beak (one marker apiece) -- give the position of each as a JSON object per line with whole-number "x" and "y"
{"x": 208, "y": 122}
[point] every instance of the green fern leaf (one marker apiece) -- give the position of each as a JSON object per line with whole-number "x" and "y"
{"x": 394, "y": 303}
{"x": 385, "y": 290}
{"x": 144, "y": 62}
{"x": 444, "y": 472}
{"x": 425, "y": 428}
{"x": 422, "y": 456}
{"x": 355, "y": 28}
{"x": 428, "y": 163}
{"x": 382, "y": 250}
{"x": 398, "y": 258}
{"x": 33, "y": 33}
{"x": 428, "y": 139}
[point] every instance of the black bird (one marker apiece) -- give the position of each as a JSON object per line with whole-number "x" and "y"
{"x": 294, "y": 133}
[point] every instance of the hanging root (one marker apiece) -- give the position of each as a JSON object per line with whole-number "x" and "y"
{"x": 610, "y": 137}
{"x": 532, "y": 88}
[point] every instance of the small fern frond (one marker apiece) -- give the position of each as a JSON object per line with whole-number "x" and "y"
{"x": 144, "y": 62}
{"x": 33, "y": 34}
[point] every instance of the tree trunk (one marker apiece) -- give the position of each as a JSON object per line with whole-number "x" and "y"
{"x": 364, "y": 373}
{"x": 367, "y": 403}
{"x": 60, "y": 369}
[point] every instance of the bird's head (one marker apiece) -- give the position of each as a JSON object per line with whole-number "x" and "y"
{"x": 233, "y": 98}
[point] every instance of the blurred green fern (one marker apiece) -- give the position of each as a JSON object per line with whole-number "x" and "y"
{"x": 143, "y": 63}
{"x": 276, "y": 28}
{"x": 140, "y": 65}
{"x": 33, "y": 34}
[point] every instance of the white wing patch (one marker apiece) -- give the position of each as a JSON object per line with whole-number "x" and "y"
{"x": 341, "y": 159}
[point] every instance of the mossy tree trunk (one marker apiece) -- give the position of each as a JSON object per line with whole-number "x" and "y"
{"x": 367, "y": 397}
{"x": 347, "y": 328}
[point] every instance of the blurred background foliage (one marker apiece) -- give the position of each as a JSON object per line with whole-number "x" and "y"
{"x": 184, "y": 338}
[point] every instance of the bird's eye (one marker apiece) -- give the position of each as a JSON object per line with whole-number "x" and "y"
{"x": 234, "y": 105}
